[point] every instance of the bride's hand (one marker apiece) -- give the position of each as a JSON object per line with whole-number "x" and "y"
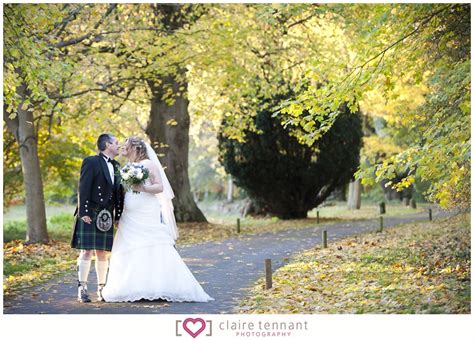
{"x": 138, "y": 187}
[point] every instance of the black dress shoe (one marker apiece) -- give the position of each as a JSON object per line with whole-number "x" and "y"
{"x": 100, "y": 298}
{"x": 82, "y": 295}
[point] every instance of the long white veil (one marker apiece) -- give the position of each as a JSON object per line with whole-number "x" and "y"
{"x": 165, "y": 197}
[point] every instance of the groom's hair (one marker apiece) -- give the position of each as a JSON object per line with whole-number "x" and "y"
{"x": 103, "y": 140}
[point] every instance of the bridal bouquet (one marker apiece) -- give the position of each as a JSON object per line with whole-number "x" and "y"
{"x": 133, "y": 173}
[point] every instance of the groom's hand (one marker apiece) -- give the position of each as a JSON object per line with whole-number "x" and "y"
{"x": 87, "y": 219}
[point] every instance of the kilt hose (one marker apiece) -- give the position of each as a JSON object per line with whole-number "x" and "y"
{"x": 87, "y": 236}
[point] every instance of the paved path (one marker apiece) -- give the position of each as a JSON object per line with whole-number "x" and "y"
{"x": 226, "y": 269}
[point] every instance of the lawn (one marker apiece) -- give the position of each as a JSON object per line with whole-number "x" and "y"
{"x": 415, "y": 268}
{"x": 222, "y": 218}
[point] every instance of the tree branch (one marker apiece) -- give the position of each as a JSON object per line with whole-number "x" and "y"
{"x": 77, "y": 40}
{"x": 68, "y": 19}
{"x": 12, "y": 124}
{"x": 423, "y": 22}
{"x": 309, "y": 17}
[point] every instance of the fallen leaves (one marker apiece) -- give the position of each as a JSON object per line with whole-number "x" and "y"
{"x": 416, "y": 268}
{"x": 25, "y": 265}
{"x": 201, "y": 232}
{"x": 223, "y": 226}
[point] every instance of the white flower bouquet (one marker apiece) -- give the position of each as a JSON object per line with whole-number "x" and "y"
{"x": 133, "y": 174}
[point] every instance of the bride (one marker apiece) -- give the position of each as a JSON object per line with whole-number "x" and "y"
{"x": 144, "y": 263}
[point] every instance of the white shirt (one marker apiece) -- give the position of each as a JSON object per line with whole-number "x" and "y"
{"x": 111, "y": 168}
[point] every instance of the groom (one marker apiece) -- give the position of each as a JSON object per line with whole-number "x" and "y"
{"x": 100, "y": 204}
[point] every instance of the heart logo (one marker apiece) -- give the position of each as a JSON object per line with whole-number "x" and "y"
{"x": 196, "y": 328}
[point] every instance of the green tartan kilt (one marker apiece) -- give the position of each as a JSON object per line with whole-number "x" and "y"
{"x": 87, "y": 236}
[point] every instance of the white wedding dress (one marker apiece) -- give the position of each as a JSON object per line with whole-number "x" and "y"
{"x": 144, "y": 263}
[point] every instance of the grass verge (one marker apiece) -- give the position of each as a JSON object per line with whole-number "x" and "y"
{"x": 415, "y": 268}
{"x": 26, "y": 265}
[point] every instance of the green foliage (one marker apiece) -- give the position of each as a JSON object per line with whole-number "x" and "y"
{"x": 439, "y": 129}
{"x": 285, "y": 177}
{"x": 428, "y": 44}
{"x": 31, "y": 56}
{"x": 375, "y": 194}
{"x": 12, "y": 175}
{"x": 89, "y": 67}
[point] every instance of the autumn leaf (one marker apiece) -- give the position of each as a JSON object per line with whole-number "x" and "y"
{"x": 416, "y": 268}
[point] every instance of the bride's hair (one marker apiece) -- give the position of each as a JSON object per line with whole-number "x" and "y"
{"x": 137, "y": 144}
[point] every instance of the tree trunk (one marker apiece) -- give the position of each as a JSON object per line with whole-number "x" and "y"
{"x": 230, "y": 190}
{"x": 358, "y": 194}
{"x": 168, "y": 130}
{"x": 354, "y": 200}
{"x": 168, "y": 126}
{"x": 350, "y": 195}
{"x": 22, "y": 127}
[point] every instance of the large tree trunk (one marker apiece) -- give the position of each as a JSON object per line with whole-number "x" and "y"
{"x": 168, "y": 126}
{"x": 168, "y": 130}
{"x": 22, "y": 127}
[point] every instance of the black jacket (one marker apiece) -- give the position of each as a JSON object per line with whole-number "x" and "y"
{"x": 96, "y": 190}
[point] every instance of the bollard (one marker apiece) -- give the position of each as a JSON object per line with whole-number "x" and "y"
{"x": 430, "y": 213}
{"x": 381, "y": 224}
{"x": 325, "y": 239}
{"x": 382, "y": 208}
{"x": 238, "y": 226}
{"x": 268, "y": 273}
{"x": 317, "y": 217}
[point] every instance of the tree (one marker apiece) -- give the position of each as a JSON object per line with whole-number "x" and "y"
{"x": 28, "y": 72}
{"x": 168, "y": 126}
{"x": 285, "y": 177}
{"x": 37, "y": 71}
{"x": 95, "y": 70}
{"x": 22, "y": 127}
{"x": 355, "y": 191}
{"x": 430, "y": 43}
{"x": 145, "y": 59}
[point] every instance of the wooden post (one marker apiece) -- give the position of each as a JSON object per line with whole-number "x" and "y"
{"x": 268, "y": 273}
{"x": 430, "y": 212}
{"x": 382, "y": 208}
{"x": 381, "y": 224}
{"x": 325, "y": 239}
{"x": 238, "y": 226}
{"x": 317, "y": 217}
